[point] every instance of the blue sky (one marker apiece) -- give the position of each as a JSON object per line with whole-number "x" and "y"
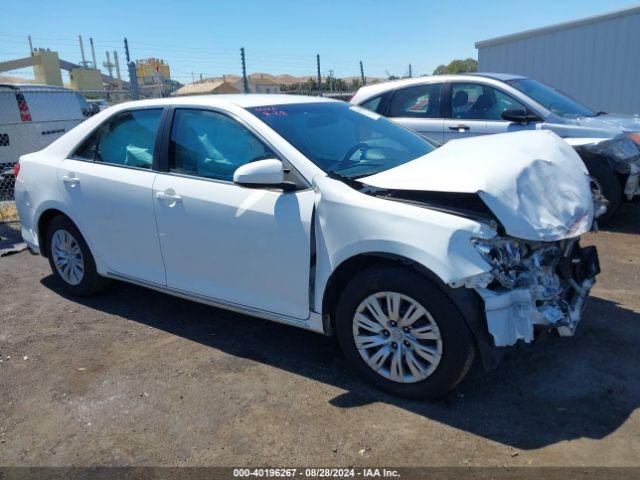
{"x": 282, "y": 36}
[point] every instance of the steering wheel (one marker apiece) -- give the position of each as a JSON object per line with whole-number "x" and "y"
{"x": 358, "y": 146}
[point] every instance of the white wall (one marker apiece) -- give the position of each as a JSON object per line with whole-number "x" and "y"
{"x": 597, "y": 63}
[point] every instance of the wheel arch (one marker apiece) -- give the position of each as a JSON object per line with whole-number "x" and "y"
{"x": 43, "y": 222}
{"x": 466, "y": 300}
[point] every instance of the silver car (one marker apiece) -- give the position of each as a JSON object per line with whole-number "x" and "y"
{"x": 448, "y": 107}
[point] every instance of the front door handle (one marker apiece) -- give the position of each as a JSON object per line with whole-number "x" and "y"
{"x": 70, "y": 179}
{"x": 459, "y": 128}
{"x": 169, "y": 197}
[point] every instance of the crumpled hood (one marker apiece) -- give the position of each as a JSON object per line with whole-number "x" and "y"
{"x": 533, "y": 181}
{"x": 616, "y": 122}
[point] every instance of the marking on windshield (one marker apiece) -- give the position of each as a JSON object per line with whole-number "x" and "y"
{"x": 270, "y": 111}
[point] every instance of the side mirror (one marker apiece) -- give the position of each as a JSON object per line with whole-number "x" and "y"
{"x": 519, "y": 115}
{"x": 261, "y": 172}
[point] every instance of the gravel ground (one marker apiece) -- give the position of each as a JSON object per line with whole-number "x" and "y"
{"x": 134, "y": 377}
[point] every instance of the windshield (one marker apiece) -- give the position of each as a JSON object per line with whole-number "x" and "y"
{"x": 343, "y": 139}
{"x": 549, "y": 97}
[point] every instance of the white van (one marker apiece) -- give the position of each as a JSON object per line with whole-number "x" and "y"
{"x": 33, "y": 116}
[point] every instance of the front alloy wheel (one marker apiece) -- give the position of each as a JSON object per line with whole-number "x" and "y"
{"x": 402, "y": 333}
{"x": 397, "y": 337}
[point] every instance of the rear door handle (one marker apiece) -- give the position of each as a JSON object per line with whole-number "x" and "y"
{"x": 168, "y": 197}
{"x": 459, "y": 128}
{"x": 70, "y": 179}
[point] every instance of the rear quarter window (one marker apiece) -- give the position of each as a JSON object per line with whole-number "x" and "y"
{"x": 53, "y": 105}
{"x": 9, "y": 112}
{"x": 373, "y": 104}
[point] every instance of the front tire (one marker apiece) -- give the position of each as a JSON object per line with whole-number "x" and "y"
{"x": 402, "y": 333}
{"x": 71, "y": 260}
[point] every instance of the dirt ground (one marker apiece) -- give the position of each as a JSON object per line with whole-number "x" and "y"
{"x": 135, "y": 377}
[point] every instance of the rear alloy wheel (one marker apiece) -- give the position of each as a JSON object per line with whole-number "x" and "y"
{"x": 71, "y": 260}
{"x": 67, "y": 257}
{"x": 402, "y": 333}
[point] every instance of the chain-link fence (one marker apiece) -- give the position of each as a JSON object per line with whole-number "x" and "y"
{"x": 31, "y": 117}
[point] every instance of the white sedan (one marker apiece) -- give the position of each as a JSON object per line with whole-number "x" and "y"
{"x": 325, "y": 216}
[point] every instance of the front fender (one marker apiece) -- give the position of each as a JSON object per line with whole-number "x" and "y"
{"x": 350, "y": 223}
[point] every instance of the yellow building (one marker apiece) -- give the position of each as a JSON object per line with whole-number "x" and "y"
{"x": 149, "y": 69}
{"x": 46, "y": 67}
{"x": 85, "y": 79}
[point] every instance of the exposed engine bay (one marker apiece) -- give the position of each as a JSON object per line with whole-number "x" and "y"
{"x": 532, "y": 284}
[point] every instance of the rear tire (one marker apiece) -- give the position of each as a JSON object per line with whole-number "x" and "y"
{"x": 439, "y": 339}
{"x": 71, "y": 260}
{"x": 609, "y": 185}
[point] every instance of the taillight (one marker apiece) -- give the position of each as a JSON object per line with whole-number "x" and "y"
{"x": 25, "y": 114}
{"x": 16, "y": 169}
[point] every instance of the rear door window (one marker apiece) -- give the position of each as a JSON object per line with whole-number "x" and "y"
{"x": 127, "y": 139}
{"x": 420, "y": 101}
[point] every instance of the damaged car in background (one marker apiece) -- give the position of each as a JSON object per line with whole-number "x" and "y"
{"x": 614, "y": 164}
{"x": 450, "y": 107}
{"x": 325, "y": 216}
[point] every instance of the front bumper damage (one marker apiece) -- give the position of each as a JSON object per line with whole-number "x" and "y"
{"x": 623, "y": 154}
{"x": 534, "y": 285}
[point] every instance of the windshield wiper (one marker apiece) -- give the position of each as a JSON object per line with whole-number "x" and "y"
{"x": 337, "y": 175}
{"x": 350, "y": 181}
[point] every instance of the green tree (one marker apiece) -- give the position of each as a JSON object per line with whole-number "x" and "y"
{"x": 457, "y": 66}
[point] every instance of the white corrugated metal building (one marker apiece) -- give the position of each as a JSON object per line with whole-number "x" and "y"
{"x": 596, "y": 60}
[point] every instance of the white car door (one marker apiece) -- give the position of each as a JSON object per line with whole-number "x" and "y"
{"x": 108, "y": 185}
{"x": 418, "y": 108}
{"x": 244, "y": 246}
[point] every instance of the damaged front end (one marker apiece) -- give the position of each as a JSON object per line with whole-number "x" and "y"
{"x": 622, "y": 153}
{"x": 533, "y": 285}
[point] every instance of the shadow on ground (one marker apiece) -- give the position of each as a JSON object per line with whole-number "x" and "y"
{"x": 560, "y": 389}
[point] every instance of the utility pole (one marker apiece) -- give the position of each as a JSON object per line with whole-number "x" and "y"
{"x": 115, "y": 60}
{"x": 362, "y": 77}
{"x": 319, "y": 76}
{"x": 133, "y": 77}
{"x": 200, "y": 78}
{"x": 108, "y": 65}
{"x": 84, "y": 61}
{"x": 93, "y": 53}
{"x": 410, "y": 72}
{"x": 245, "y": 83}
{"x": 30, "y": 45}
{"x": 331, "y": 81}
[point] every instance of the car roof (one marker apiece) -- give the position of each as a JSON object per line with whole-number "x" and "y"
{"x": 248, "y": 100}
{"x": 496, "y": 76}
{"x": 375, "y": 89}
